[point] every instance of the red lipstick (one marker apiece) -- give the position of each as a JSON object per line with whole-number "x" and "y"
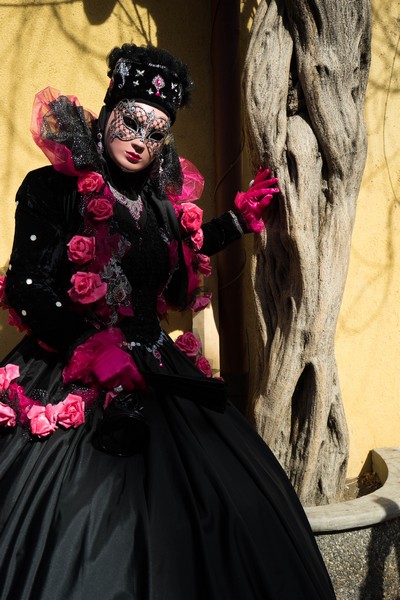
{"x": 133, "y": 157}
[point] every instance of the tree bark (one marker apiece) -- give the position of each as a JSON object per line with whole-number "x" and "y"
{"x": 304, "y": 85}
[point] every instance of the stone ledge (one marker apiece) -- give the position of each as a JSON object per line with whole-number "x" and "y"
{"x": 377, "y": 507}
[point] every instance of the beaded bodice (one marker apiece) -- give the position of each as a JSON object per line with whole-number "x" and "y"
{"x": 146, "y": 267}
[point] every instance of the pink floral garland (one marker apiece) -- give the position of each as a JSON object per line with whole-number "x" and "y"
{"x": 190, "y": 218}
{"x": 88, "y": 288}
{"x": 191, "y": 346}
{"x": 91, "y": 254}
{"x": 43, "y": 420}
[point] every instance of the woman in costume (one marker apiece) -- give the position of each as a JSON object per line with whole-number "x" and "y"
{"x": 125, "y": 473}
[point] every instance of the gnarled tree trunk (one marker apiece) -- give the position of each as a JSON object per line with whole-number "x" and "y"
{"x": 304, "y": 84}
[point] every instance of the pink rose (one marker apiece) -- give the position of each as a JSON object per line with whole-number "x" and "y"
{"x": 8, "y": 417}
{"x": 191, "y": 216}
{"x": 197, "y": 239}
{"x": 7, "y": 374}
{"x": 101, "y": 209}
{"x": 87, "y": 287}
{"x": 91, "y": 182}
{"x": 72, "y": 413}
{"x": 2, "y": 289}
{"x": 81, "y": 249}
{"x": 203, "y": 264}
{"x": 43, "y": 419}
{"x": 188, "y": 344}
{"x": 204, "y": 366}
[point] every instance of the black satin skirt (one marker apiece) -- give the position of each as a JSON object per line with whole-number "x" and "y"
{"x": 202, "y": 511}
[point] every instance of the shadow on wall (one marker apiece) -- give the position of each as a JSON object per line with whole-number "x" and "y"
{"x": 98, "y": 12}
{"x": 378, "y": 273}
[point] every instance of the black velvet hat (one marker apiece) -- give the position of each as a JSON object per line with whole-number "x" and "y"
{"x": 150, "y": 75}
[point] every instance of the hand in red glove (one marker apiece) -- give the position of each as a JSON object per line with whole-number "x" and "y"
{"x": 113, "y": 367}
{"x": 251, "y": 204}
{"x": 101, "y": 356}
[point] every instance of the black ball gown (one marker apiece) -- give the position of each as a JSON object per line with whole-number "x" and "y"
{"x": 200, "y": 509}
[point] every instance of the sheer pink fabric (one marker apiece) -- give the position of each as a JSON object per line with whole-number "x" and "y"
{"x": 58, "y": 154}
{"x": 193, "y": 183}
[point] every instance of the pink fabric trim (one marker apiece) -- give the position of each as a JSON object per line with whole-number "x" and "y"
{"x": 59, "y": 155}
{"x": 193, "y": 183}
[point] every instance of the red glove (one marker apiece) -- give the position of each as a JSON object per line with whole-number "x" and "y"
{"x": 251, "y": 204}
{"x": 101, "y": 356}
{"x": 114, "y": 367}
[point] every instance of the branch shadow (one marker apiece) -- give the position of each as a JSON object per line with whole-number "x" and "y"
{"x": 97, "y": 12}
{"x": 385, "y": 539}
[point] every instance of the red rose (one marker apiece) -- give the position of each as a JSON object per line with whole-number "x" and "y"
{"x": 101, "y": 209}
{"x": 204, "y": 366}
{"x": 191, "y": 216}
{"x": 72, "y": 413}
{"x": 188, "y": 344}
{"x": 91, "y": 182}
{"x": 87, "y": 287}
{"x": 81, "y": 249}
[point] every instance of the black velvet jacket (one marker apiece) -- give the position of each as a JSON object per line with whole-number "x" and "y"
{"x": 39, "y": 273}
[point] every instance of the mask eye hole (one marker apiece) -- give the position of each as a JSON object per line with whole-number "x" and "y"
{"x": 131, "y": 123}
{"x": 156, "y": 136}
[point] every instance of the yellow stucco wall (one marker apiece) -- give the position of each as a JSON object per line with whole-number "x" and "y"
{"x": 64, "y": 44}
{"x": 368, "y": 334}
